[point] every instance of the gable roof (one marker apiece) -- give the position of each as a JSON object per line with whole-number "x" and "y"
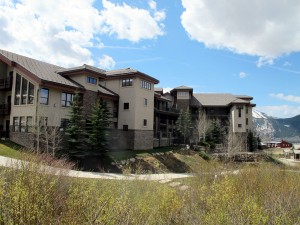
{"x": 129, "y": 71}
{"x": 216, "y": 100}
{"x": 41, "y": 71}
{"x": 84, "y": 67}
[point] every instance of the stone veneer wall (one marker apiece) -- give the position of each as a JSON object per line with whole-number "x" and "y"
{"x": 89, "y": 99}
{"x": 131, "y": 139}
{"x": 25, "y": 139}
{"x": 143, "y": 139}
{"x": 183, "y": 104}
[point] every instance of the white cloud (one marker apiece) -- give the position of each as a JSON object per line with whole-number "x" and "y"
{"x": 280, "y": 111}
{"x": 289, "y": 98}
{"x": 267, "y": 29}
{"x": 106, "y": 62}
{"x": 264, "y": 61}
{"x": 243, "y": 75}
{"x": 63, "y": 31}
{"x": 287, "y": 63}
{"x": 132, "y": 23}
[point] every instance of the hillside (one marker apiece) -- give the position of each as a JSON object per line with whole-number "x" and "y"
{"x": 276, "y": 128}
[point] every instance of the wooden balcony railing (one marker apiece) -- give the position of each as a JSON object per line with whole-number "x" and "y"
{"x": 5, "y": 83}
{"x": 5, "y": 109}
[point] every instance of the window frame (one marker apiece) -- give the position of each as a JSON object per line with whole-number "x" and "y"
{"x": 43, "y": 97}
{"x": 127, "y": 82}
{"x": 91, "y": 80}
{"x": 68, "y": 99}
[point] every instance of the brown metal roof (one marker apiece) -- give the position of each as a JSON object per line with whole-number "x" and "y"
{"x": 216, "y": 100}
{"x": 43, "y": 71}
{"x": 130, "y": 71}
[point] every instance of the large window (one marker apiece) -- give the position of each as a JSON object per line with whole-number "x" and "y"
{"x": 16, "y": 124}
{"x": 24, "y": 91}
{"x": 18, "y": 90}
{"x": 22, "y": 124}
{"x": 127, "y": 82}
{"x": 66, "y": 99}
{"x": 44, "y": 96}
{"x": 30, "y": 93}
{"x": 91, "y": 80}
{"x": 146, "y": 85}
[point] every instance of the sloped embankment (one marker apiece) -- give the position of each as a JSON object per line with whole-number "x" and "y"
{"x": 169, "y": 162}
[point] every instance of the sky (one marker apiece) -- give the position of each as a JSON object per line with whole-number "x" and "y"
{"x": 233, "y": 46}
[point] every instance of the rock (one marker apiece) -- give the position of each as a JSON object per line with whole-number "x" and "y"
{"x": 174, "y": 184}
{"x": 132, "y": 160}
{"x": 183, "y": 187}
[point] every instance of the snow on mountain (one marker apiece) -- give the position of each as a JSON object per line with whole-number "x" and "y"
{"x": 269, "y": 128}
{"x": 258, "y": 115}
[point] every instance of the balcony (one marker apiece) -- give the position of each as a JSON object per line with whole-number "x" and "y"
{"x": 5, "y": 83}
{"x": 5, "y": 109}
{"x": 166, "y": 110}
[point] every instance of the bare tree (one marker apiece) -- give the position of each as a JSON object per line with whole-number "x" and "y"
{"x": 202, "y": 125}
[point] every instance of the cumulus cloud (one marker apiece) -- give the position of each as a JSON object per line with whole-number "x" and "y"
{"x": 267, "y": 29}
{"x": 289, "y": 98}
{"x": 63, "y": 31}
{"x": 106, "y": 62}
{"x": 132, "y": 23}
{"x": 243, "y": 75}
{"x": 280, "y": 111}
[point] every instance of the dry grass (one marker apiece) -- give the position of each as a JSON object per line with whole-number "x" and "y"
{"x": 259, "y": 194}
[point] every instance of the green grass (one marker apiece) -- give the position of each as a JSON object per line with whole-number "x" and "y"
{"x": 127, "y": 154}
{"x": 10, "y": 149}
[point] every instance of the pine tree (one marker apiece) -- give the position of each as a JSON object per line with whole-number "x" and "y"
{"x": 184, "y": 125}
{"x": 75, "y": 132}
{"x": 98, "y": 129}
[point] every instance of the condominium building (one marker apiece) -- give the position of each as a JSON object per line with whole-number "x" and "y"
{"x": 38, "y": 93}
{"x": 35, "y": 93}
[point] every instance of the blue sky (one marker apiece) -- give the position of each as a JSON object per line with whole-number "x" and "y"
{"x": 233, "y": 46}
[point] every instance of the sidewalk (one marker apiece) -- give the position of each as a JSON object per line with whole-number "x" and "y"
{"x": 15, "y": 163}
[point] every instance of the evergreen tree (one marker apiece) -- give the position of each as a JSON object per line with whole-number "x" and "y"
{"x": 98, "y": 129}
{"x": 251, "y": 141}
{"x": 75, "y": 132}
{"x": 184, "y": 125}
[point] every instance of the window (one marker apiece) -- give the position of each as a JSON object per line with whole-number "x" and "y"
{"x": 29, "y": 124}
{"x": 145, "y": 102}
{"x": 125, "y": 127}
{"x": 66, "y": 99}
{"x": 145, "y": 122}
{"x": 240, "y": 112}
{"x": 127, "y": 82}
{"x": 182, "y": 93}
{"x": 239, "y": 125}
{"x": 43, "y": 122}
{"x": 18, "y": 90}
{"x": 116, "y": 125}
{"x": 30, "y": 93}
{"x": 22, "y": 124}
{"x": 44, "y": 96}
{"x": 16, "y": 124}
{"x": 247, "y": 120}
{"x": 91, "y": 80}
{"x": 246, "y": 109}
{"x": 24, "y": 91}
{"x": 146, "y": 85}
{"x": 126, "y": 105}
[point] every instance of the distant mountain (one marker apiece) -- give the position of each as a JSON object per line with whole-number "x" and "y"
{"x": 270, "y": 128}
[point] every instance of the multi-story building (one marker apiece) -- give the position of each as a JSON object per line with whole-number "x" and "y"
{"x": 234, "y": 111}
{"x": 35, "y": 93}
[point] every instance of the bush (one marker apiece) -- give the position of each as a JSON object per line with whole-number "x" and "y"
{"x": 204, "y": 155}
